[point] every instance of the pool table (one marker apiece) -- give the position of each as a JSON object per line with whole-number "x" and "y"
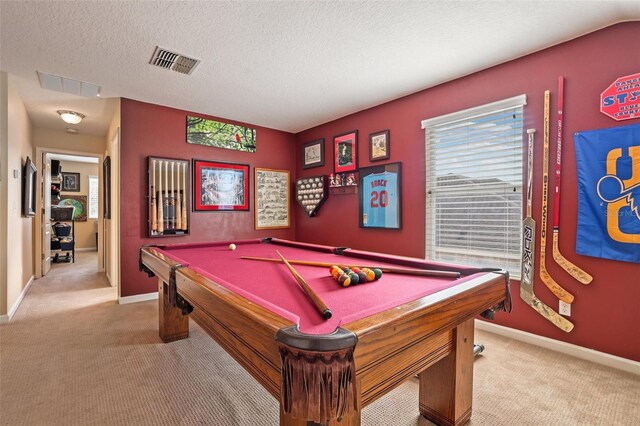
{"x": 323, "y": 371}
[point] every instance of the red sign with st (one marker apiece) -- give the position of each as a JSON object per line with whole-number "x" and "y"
{"x": 621, "y": 100}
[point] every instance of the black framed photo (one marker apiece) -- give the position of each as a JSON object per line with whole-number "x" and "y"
{"x": 380, "y": 203}
{"x": 106, "y": 187}
{"x": 345, "y": 152}
{"x": 313, "y": 154}
{"x": 379, "y": 148}
{"x": 220, "y": 186}
{"x": 71, "y": 182}
{"x": 29, "y": 188}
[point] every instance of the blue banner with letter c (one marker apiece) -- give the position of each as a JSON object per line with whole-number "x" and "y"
{"x": 608, "y": 163}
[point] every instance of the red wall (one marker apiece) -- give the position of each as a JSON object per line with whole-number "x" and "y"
{"x": 154, "y": 130}
{"x": 605, "y": 313}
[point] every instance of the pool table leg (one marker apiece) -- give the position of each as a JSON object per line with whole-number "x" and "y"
{"x": 173, "y": 325}
{"x": 351, "y": 420}
{"x": 446, "y": 388}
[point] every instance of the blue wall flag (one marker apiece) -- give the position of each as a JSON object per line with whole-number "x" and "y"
{"x": 608, "y": 163}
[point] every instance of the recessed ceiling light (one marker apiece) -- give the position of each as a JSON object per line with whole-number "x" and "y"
{"x": 70, "y": 117}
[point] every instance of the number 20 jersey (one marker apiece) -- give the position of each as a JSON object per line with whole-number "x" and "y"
{"x": 380, "y": 200}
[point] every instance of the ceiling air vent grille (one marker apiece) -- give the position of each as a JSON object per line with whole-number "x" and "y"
{"x": 166, "y": 59}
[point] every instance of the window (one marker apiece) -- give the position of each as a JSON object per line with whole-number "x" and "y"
{"x": 474, "y": 185}
{"x": 93, "y": 197}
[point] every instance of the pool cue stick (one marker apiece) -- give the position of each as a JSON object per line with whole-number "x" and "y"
{"x": 184, "y": 201}
{"x": 165, "y": 202}
{"x": 572, "y": 269}
{"x": 160, "y": 201}
{"x": 527, "y": 273}
{"x": 172, "y": 199}
{"x": 320, "y": 305}
{"x": 178, "y": 200}
{"x": 154, "y": 208}
{"x": 551, "y": 284}
{"x": 384, "y": 269}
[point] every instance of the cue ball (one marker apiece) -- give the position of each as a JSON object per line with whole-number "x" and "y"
{"x": 232, "y": 246}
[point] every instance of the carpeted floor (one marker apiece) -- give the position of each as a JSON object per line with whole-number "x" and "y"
{"x": 73, "y": 356}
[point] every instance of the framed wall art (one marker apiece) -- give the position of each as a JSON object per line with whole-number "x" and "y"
{"x": 272, "y": 199}
{"x": 313, "y": 154}
{"x": 379, "y": 148}
{"x": 106, "y": 187}
{"x": 71, "y": 182}
{"x": 79, "y": 204}
{"x": 201, "y": 131}
{"x": 220, "y": 186}
{"x": 345, "y": 152}
{"x": 380, "y": 203}
{"x": 169, "y": 196}
{"x": 29, "y": 188}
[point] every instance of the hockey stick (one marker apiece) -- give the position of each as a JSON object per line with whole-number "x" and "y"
{"x": 555, "y": 288}
{"x": 528, "y": 254}
{"x": 571, "y": 268}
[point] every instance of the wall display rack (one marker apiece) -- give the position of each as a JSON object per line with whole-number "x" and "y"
{"x": 168, "y": 197}
{"x": 311, "y": 193}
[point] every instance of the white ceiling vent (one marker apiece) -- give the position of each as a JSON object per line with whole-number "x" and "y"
{"x": 166, "y": 59}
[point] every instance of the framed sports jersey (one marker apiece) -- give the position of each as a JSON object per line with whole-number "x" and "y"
{"x": 380, "y": 196}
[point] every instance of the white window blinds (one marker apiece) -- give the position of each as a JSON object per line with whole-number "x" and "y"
{"x": 93, "y": 197}
{"x": 474, "y": 185}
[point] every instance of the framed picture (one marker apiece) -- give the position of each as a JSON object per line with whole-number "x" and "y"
{"x": 106, "y": 187}
{"x": 201, "y": 131}
{"x": 220, "y": 186}
{"x": 380, "y": 196}
{"x": 379, "y": 148}
{"x": 272, "y": 198}
{"x": 345, "y": 152}
{"x": 313, "y": 154}
{"x": 79, "y": 204}
{"x": 71, "y": 182}
{"x": 29, "y": 188}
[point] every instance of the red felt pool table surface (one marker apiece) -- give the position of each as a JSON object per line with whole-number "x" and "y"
{"x": 272, "y": 286}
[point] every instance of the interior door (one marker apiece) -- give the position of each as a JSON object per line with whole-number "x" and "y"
{"x": 46, "y": 213}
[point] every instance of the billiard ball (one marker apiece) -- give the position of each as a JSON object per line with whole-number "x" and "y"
{"x": 232, "y": 246}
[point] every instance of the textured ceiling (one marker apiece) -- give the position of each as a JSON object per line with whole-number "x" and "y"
{"x": 286, "y": 65}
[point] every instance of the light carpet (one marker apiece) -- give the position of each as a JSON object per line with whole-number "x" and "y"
{"x": 73, "y": 356}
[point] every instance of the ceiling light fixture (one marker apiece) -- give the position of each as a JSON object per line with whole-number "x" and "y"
{"x": 71, "y": 117}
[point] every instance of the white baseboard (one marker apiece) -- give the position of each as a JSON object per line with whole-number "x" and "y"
{"x": 602, "y": 358}
{"x": 87, "y": 249}
{"x": 6, "y": 318}
{"x": 137, "y": 298}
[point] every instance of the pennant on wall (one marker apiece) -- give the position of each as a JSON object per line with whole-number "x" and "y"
{"x": 608, "y": 162}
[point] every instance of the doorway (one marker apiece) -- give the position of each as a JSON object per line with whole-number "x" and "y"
{"x": 70, "y": 181}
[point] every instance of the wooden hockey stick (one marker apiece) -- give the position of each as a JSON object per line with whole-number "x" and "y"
{"x": 555, "y": 288}
{"x": 564, "y": 263}
{"x": 528, "y": 254}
